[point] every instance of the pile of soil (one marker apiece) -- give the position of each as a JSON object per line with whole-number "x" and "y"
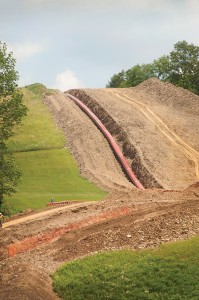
{"x": 178, "y": 107}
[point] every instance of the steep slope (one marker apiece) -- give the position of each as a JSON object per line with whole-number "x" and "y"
{"x": 86, "y": 143}
{"x": 159, "y": 123}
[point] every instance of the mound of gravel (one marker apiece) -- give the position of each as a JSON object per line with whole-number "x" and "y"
{"x": 170, "y": 95}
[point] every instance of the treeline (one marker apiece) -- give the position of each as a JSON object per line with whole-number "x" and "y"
{"x": 180, "y": 67}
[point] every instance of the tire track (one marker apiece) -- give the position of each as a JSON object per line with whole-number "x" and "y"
{"x": 164, "y": 129}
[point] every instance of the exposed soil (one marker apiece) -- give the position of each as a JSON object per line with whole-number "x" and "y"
{"x": 149, "y": 128}
{"x": 86, "y": 143}
{"x": 157, "y": 126}
{"x": 133, "y": 220}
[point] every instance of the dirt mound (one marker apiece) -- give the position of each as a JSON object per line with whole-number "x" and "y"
{"x": 20, "y": 281}
{"x": 169, "y": 95}
{"x": 177, "y": 107}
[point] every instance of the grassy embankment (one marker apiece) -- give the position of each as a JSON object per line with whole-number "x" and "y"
{"x": 169, "y": 273}
{"x": 48, "y": 169}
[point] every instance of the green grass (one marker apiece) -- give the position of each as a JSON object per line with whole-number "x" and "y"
{"x": 168, "y": 273}
{"x": 38, "y": 129}
{"x": 50, "y": 173}
{"x": 48, "y": 169}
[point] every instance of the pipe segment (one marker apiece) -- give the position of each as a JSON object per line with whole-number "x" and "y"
{"x": 111, "y": 141}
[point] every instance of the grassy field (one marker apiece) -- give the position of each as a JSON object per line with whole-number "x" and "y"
{"x": 38, "y": 130}
{"x": 168, "y": 273}
{"x": 50, "y": 173}
{"x": 48, "y": 168}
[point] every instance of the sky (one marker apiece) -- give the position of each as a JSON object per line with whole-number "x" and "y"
{"x": 82, "y": 43}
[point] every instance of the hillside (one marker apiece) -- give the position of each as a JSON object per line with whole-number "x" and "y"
{"x": 156, "y": 126}
{"x": 155, "y": 111}
{"x": 48, "y": 168}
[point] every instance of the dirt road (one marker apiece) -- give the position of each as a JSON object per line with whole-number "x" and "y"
{"x": 44, "y": 213}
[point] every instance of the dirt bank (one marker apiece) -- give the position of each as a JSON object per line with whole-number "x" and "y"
{"x": 162, "y": 135}
{"x": 86, "y": 143}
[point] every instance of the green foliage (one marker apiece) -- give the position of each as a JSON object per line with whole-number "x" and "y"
{"x": 8, "y": 75}
{"x": 180, "y": 67}
{"x": 11, "y": 112}
{"x": 184, "y": 66}
{"x": 9, "y": 173}
{"x": 161, "y": 68}
{"x": 117, "y": 80}
{"x": 168, "y": 273}
{"x": 138, "y": 73}
{"x": 7, "y": 210}
{"x": 50, "y": 173}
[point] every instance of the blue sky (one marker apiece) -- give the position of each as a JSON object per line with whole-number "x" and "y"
{"x": 69, "y": 44}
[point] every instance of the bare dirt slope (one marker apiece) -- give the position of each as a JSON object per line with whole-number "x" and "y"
{"x": 86, "y": 143}
{"x": 161, "y": 123}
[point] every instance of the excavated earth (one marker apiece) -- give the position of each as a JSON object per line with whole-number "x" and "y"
{"x": 156, "y": 125}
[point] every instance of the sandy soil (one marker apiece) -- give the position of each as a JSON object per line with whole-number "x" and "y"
{"x": 157, "y": 127}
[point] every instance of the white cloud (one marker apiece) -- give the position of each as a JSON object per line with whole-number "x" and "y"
{"x": 67, "y": 80}
{"x": 25, "y": 50}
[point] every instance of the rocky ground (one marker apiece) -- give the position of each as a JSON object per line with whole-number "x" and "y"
{"x": 133, "y": 220}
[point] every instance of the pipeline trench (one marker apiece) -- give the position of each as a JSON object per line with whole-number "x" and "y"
{"x": 128, "y": 149}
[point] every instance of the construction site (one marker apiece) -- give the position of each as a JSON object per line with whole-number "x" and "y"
{"x": 141, "y": 146}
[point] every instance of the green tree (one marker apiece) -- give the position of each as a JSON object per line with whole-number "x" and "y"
{"x": 180, "y": 67}
{"x": 138, "y": 74}
{"x": 11, "y": 112}
{"x": 184, "y": 66}
{"x": 161, "y": 67}
{"x": 118, "y": 80}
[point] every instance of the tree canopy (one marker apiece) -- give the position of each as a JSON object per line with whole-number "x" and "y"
{"x": 11, "y": 112}
{"x": 180, "y": 67}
